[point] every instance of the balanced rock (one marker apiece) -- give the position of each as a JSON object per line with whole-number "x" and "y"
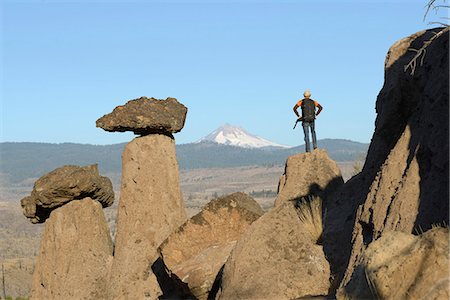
{"x": 407, "y": 165}
{"x": 276, "y": 258}
{"x": 145, "y": 116}
{"x": 196, "y": 252}
{"x": 150, "y": 209}
{"x": 402, "y": 266}
{"x": 63, "y": 185}
{"x": 312, "y": 173}
{"x": 75, "y": 254}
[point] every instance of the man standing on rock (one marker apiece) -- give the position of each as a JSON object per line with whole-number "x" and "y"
{"x": 309, "y": 114}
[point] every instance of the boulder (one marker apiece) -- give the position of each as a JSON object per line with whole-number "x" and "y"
{"x": 150, "y": 209}
{"x": 75, "y": 254}
{"x": 307, "y": 174}
{"x": 276, "y": 258}
{"x": 63, "y": 185}
{"x": 406, "y": 174}
{"x": 403, "y": 266}
{"x": 196, "y": 252}
{"x": 145, "y": 116}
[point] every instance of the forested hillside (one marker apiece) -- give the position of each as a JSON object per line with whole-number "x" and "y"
{"x": 19, "y": 161}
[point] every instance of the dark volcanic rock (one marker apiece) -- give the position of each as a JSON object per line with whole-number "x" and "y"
{"x": 63, "y": 185}
{"x": 404, "y": 182}
{"x": 145, "y": 116}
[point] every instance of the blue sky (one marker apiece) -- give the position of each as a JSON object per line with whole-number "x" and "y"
{"x": 67, "y": 63}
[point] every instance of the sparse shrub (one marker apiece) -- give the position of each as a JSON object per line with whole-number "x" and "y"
{"x": 309, "y": 210}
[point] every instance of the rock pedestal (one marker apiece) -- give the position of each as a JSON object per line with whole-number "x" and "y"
{"x": 305, "y": 174}
{"x": 75, "y": 254}
{"x": 150, "y": 209}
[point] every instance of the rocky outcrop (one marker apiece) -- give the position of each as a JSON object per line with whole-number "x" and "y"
{"x": 150, "y": 209}
{"x": 276, "y": 258}
{"x": 196, "y": 252}
{"x": 312, "y": 173}
{"x": 145, "y": 116}
{"x": 403, "y": 266}
{"x": 404, "y": 182}
{"x": 64, "y": 185}
{"x": 75, "y": 254}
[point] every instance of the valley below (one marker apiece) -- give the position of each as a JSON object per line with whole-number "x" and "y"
{"x": 19, "y": 239}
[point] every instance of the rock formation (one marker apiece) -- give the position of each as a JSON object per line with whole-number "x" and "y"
{"x": 402, "y": 266}
{"x": 276, "y": 258}
{"x": 308, "y": 174}
{"x": 404, "y": 182}
{"x": 196, "y": 252}
{"x": 151, "y": 205}
{"x": 63, "y": 185}
{"x": 75, "y": 254}
{"x": 145, "y": 116}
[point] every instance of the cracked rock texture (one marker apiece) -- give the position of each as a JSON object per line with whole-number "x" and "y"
{"x": 145, "y": 116}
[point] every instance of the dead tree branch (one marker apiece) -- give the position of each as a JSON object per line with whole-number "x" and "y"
{"x": 420, "y": 53}
{"x": 432, "y": 6}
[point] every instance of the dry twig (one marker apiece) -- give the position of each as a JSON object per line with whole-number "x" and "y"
{"x": 422, "y": 51}
{"x": 309, "y": 210}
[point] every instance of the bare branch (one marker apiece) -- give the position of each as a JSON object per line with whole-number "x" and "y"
{"x": 439, "y": 23}
{"x": 431, "y": 6}
{"x": 420, "y": 53}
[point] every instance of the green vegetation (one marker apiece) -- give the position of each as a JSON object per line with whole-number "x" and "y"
{"x": 20, "y": 161}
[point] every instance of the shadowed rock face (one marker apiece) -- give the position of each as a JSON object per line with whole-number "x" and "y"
{"x": 145, "y": 116}
{"x": 75, "y": 254}
{"x": 64, "y": 185}
{"x": 404, "y": 183}
{"x": 196, "y": 252}
{"x": 403, "y": 266}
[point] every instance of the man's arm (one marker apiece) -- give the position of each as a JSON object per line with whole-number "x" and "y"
{"x": 320, "y": 109}
{"x": 295, "y": 110}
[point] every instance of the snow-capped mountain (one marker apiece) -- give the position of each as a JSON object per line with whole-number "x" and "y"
{"x": 237, "y": 136}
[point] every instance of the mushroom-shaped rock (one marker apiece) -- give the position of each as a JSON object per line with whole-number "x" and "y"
{"x": 196, "y": 252}
{"x": 313, "y": 173}
{"x": 75, "y": 254}
{"x": 402, "y": 266}
{"x": 63, "y": 185}
{"x": 145, "y": 115}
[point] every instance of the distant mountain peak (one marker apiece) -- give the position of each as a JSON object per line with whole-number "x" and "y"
{"x": 228, "y": 134}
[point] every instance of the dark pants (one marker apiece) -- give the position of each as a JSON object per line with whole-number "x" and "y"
{"x": 306, "y": 126}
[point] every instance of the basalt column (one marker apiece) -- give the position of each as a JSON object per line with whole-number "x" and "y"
{"x": 151, "y": 205}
